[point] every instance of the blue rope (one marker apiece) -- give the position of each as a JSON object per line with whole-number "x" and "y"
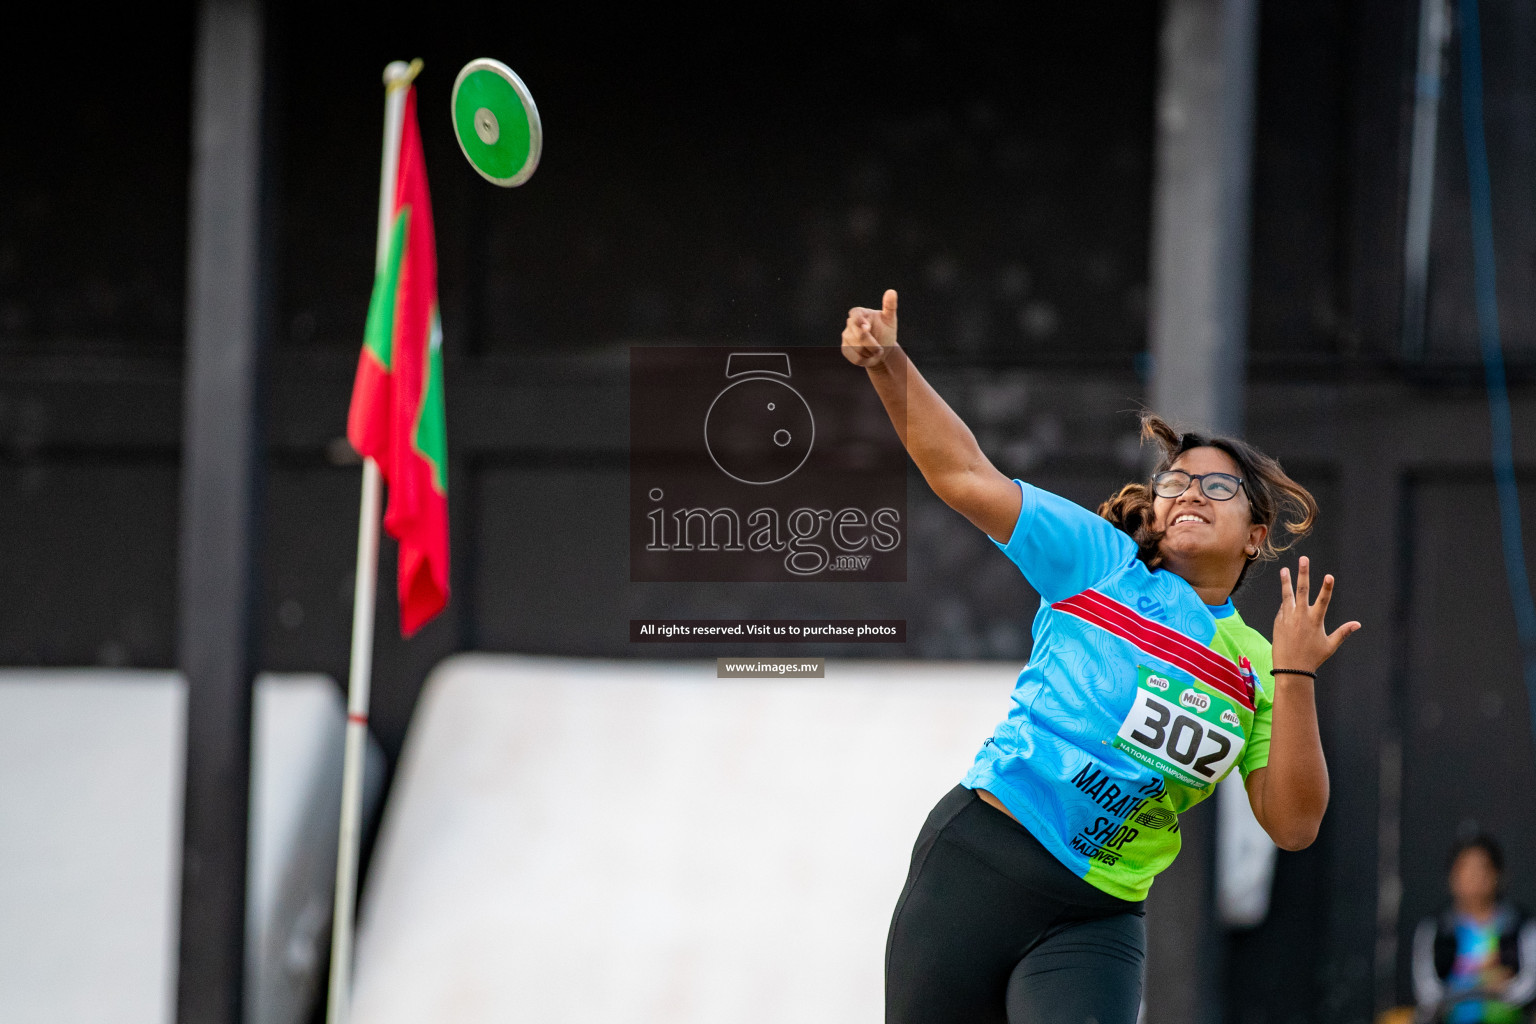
{"x": 1484, "y": 277}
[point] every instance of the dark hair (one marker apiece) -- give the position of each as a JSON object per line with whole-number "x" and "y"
{"x": 1273, "y": 497}
{"x": 1478, "y": 841}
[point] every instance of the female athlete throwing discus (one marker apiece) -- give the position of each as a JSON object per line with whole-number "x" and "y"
{"x": 1024, "y": 902}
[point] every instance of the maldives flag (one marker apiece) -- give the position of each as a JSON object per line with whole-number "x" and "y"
{"x": 397, "y": 416}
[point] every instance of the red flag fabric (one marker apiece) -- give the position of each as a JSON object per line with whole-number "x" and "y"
{"x": 397, "y": 417}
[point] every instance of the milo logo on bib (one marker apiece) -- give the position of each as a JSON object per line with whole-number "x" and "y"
{"x": 1183, "y": 732}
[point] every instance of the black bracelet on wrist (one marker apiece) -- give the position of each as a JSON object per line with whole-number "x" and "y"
{"x": 1293, "y": 672}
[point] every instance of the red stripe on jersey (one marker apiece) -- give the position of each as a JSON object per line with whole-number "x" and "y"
{"x": 1213, "y": 663}
{"x": 1161, "y": 642}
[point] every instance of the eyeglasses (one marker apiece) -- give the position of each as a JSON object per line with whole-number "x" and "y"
{"x": 1171, "y": 483}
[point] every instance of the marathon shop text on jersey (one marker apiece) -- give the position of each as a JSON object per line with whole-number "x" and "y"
{"x": 1138, "y": 698}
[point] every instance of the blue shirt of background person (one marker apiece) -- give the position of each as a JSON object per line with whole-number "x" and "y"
{"x": 1475, "y": 963}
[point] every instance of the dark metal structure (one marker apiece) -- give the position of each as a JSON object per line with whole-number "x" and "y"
{"x": 221, "y": 472}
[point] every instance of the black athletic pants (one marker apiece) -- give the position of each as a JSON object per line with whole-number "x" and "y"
{"x": 991, "y": 927}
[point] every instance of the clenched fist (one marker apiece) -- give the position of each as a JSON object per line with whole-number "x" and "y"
{"x": 871, "y": 333}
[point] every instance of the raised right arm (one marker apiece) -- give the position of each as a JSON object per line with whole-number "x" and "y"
{"x": 938, "y": 440}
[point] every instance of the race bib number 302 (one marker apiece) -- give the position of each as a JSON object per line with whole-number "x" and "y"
{"x": 1183, "y": 732}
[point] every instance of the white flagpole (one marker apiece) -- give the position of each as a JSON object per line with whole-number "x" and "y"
{"x": 397, "y": 79}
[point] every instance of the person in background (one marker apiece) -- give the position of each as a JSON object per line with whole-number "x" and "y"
{"x": 1475, "y": 963}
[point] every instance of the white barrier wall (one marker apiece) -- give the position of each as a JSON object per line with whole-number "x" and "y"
{"x": 637, "y": 842}
{"x": 566, "y": 841}
{"x": 90, "y": 843}
{"x": 298, "y": 733}
{"x": 90, "y": 827}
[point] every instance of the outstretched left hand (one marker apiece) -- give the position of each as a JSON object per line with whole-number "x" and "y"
{"x": 1301, "y": 640}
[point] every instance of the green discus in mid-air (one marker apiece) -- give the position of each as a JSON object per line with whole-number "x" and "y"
{"x": 497, "y": 122}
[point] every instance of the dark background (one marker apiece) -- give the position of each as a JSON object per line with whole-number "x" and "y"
{"x": 742, "y": 176}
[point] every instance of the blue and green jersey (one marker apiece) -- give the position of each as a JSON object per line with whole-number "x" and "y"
{"x": 1138, "y": 698}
